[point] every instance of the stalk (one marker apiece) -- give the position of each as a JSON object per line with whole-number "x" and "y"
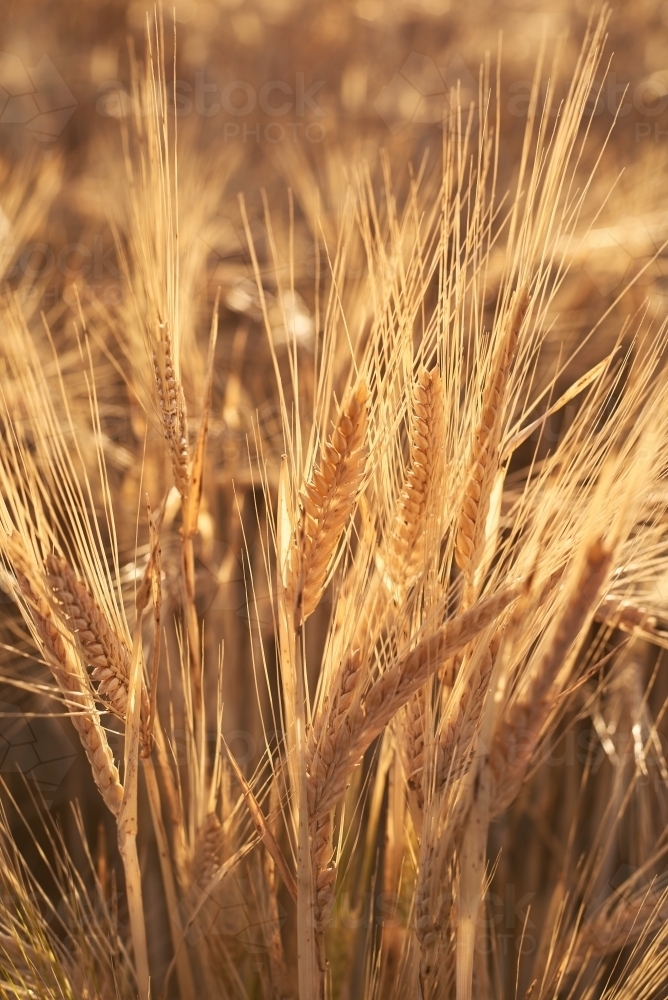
{"x": 127, "y": 820}
{"x": 184, "y": 973}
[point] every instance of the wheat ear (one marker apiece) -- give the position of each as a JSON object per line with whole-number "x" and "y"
{"x": 426, "y": 930}
{"x": 333, "y": 715}
{"x": 459, "y": 728}
{"x": 72, "y": 682}
{"x": 426, "y": 450}
{"x": 329, "y": 499}
{"x": 172, "y": 408}
{"x": 412, "y": 745}
{"x": 395, "y": 686}
{"x": 348, "y": 733}
{"x": 408, "y": 521}
{"x": 484, "y": 460}
{"x": 402, "y": 557}
{"x": 616, "y": 926}
{"x": 431, "y": 915}
{"x": 102, "y": 650}
{"x": 526, "y": 716}
{"x": 454, "y": 754}
{"x": 628, "y": 616}
{"x": 208, "y": 854}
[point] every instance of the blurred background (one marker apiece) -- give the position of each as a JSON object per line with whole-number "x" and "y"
{"x": 283, "y": 93}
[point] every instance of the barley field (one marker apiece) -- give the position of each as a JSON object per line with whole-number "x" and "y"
{"x": 333, "y": 500}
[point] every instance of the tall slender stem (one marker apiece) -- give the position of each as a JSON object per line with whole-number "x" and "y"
{"x": 127, "y": 819}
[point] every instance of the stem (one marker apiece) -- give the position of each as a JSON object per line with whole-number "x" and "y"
{"x": 174, "y": 809}
{"x": 192, "y": 624}
{"x": 127, "y": 844}
{"x": 183, "y": 969}
{"x": 294, "y": 697}
{"x": 479, "y": 783}
{"x": 310, "y": 981}
{"x": 194, "y": 653}
{"x": 190, "y": 514}
{"x": 473, "y": 861}
{"x": 127, "y": 819}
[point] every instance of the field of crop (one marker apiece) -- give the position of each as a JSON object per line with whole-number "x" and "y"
{"x": 333, "y": 500}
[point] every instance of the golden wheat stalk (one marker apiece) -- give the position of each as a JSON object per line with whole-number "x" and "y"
{"x": 526, "y": 716}
{"x": 328, "y": 500}
{"x": 404, "y": 556}
{"x": 345, "y": 739}
{"x": 209, "y": 851}
{"x": 393, "y": 688}
{"x": 278, "y": 968}
{"x": 330, "y": 719}
{"x": 485, "y": 454}
{"x": 348, "y": 734}
{"x": 458, "y": 729}
{"x": 69, "y": 676}
{"x": 430, "y": 921}
{"x": 102, "y": 649}
{"x": 401, "y": 557}
{"x": 412, "y": 747}
{"x": 172, "y": 411}
{"x": 616, "y": 925}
